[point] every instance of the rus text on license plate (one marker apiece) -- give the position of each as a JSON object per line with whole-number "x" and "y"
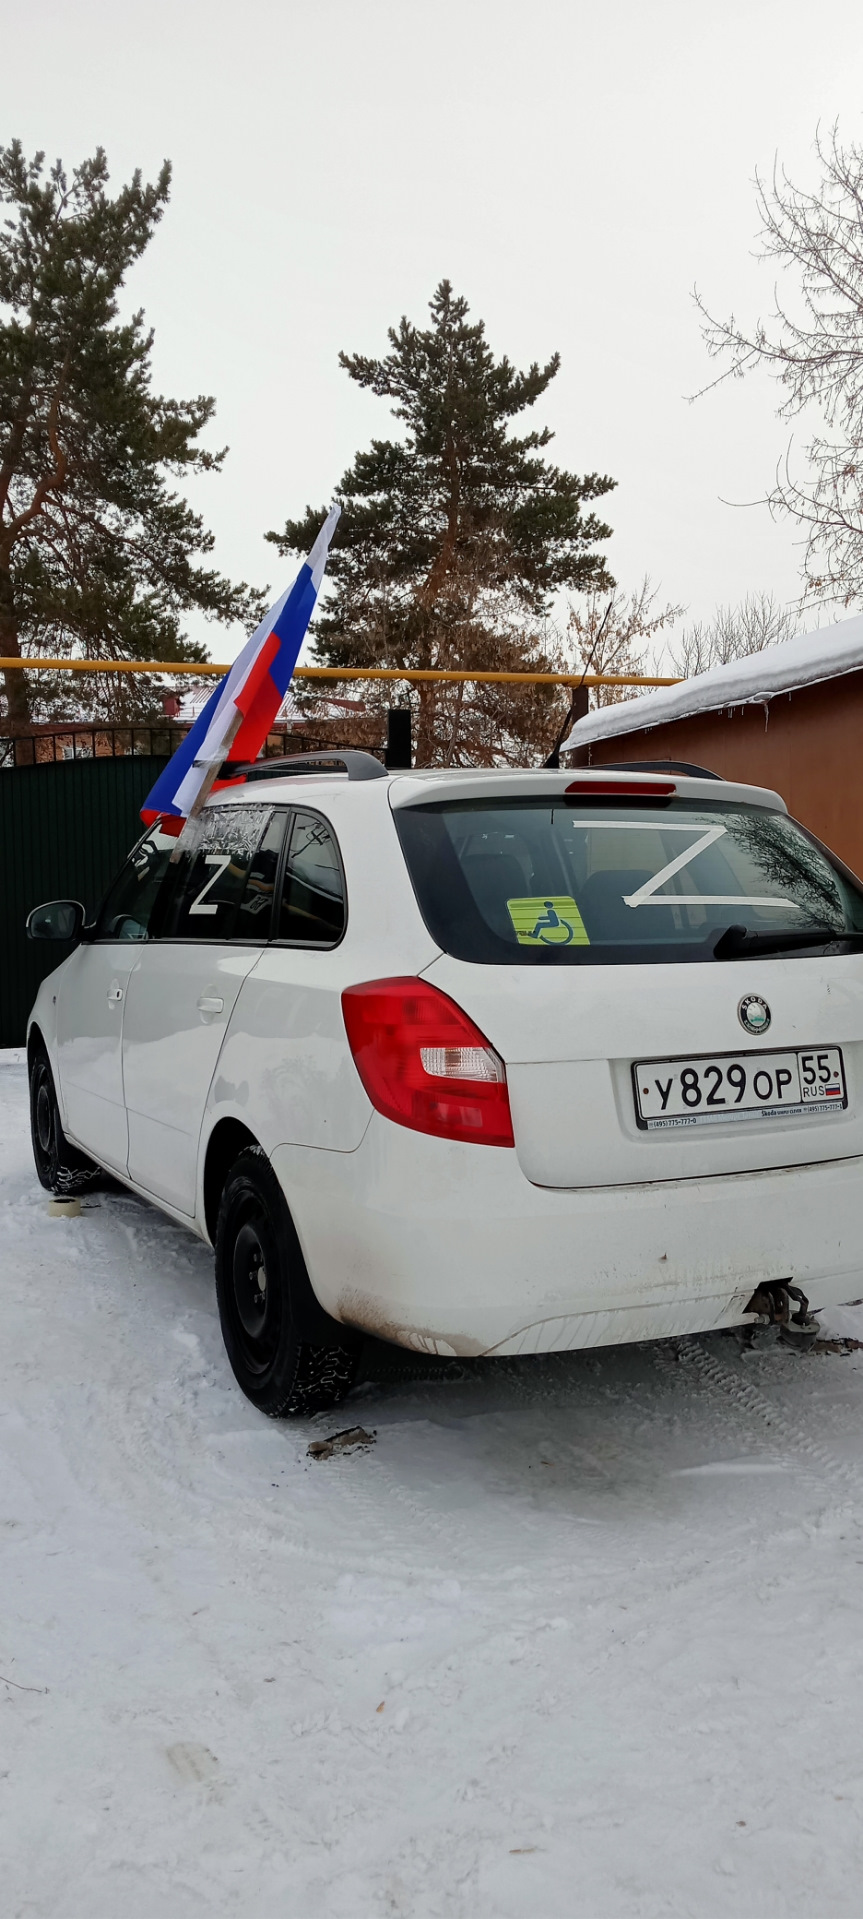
{"x": 694, "y": 1092}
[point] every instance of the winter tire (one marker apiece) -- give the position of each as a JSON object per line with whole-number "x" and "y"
{"x": 60, "y": 1168}
{"x": 260, "y": 1280}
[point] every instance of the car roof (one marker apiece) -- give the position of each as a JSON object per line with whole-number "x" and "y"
{"x": 425, "y": 785}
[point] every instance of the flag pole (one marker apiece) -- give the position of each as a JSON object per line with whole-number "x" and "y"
{"x": 205, "y": 788}
{"x": 240, "y": 711}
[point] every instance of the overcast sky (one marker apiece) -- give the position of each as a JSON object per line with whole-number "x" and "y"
{"x": 574, "y": 169}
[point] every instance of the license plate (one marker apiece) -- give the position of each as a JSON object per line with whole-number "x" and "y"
{"x": 696, "y": 1092}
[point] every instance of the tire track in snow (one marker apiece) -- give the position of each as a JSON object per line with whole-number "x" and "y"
{"x": 157, "y": 1438}
{"x": 160, "y": 1433}
{"x": 692, "y": 1574}
{"x": 792, "y": 1433}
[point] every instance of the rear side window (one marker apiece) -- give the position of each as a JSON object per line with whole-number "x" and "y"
{"x": 312, "y": 906}
{"x": 255, "y": 912}
{"x": 539, "y": 882}
{"x": 223, "y": 886}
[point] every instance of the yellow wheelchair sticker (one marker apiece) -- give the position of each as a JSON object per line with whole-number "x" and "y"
{"x": 540, "y": 921}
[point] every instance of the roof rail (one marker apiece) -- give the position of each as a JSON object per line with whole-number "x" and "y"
{"x": 660, "y": 766}
{"x": 357, "y": 765}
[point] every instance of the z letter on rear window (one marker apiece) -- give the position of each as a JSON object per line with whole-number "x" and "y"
{"x": 649, "y": 895}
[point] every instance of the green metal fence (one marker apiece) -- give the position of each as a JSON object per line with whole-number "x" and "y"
{"x": 64, "y": 831}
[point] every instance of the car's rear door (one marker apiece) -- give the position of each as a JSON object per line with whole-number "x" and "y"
{"x": 184, "y": 986}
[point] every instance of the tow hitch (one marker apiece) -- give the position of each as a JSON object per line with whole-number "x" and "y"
{"x": 772, "y": 1303}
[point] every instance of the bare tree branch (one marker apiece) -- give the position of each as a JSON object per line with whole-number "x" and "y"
{"x": 613, "y": 640}
{"x": 815, "y": 351}
{"x": 732, "y": 634}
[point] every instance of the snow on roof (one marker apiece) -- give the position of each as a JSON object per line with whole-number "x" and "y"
{"x": 803, "y": 661}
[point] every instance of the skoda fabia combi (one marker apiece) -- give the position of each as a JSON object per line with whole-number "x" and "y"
{"x": 474, "y": 1062}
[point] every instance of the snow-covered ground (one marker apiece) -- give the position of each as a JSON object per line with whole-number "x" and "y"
{"x": 576, "y": 1639}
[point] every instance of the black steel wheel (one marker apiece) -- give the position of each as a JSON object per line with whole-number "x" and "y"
{"x": 260, "y": 1278}
{"x": 60, "y": 1168}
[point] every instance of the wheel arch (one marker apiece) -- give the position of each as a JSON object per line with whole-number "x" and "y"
{"x": 35, "y": 1043}
{"x": 228, "y": 1139}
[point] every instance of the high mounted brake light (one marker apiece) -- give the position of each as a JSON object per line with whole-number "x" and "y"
{"x": 424, "y": 1064}
{"x": 622, "y": 789}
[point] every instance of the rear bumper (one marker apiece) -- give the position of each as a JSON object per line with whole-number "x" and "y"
{"x": 448, "y": 1248}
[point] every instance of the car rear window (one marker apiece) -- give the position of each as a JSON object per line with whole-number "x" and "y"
{"x": 552, "y": 882}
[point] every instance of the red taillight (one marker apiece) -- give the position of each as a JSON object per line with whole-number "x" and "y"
{"x": 424, "y": 1064}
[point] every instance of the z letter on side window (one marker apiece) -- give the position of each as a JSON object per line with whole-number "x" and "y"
{"x": 219, "y": 861}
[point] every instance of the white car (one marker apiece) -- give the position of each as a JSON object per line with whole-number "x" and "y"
{"x": 475, "y": 1062}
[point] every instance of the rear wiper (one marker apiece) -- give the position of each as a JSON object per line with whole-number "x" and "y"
{"x": 737, "y": 942}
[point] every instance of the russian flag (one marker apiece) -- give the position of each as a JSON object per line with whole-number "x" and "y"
{"x": 240, "y": 712}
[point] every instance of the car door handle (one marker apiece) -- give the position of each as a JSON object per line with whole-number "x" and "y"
{"x": 115, "y": 994}
{"x": 210, "y": 1003}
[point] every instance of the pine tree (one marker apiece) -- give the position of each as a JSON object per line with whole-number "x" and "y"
{"x": 454, "y": 537}
{"x": 98, "y": 555}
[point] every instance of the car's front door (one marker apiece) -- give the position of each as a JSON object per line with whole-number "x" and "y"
{"x": 184, "y": 986}
{"x": 91, "y": 999}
